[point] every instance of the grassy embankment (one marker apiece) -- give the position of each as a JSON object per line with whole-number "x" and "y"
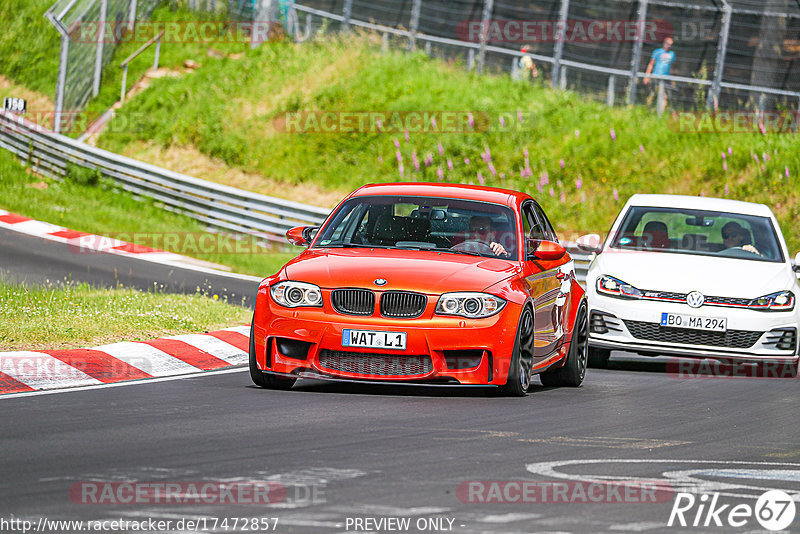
{"x": 58, "y": 316}
{"x": 584, "y": 159}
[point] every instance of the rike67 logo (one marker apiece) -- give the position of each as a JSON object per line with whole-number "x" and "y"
{"x": 774, "y": 510}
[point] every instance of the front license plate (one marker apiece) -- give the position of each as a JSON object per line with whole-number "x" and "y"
{"x": 373, "y": 340}
{"x": 711, "y": 324}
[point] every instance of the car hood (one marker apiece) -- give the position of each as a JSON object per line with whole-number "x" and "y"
{"x": 409, "y": 270}
{"x": 683, "y": 273}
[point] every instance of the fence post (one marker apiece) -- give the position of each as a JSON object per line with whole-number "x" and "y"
{"x": 98, "y": 58}
{"x": 61, "y": 83}
{"x": 416, "y": 7}
{"x": 612, "y": 91}
{"x": 515, "y": 68}
{"x": 562, "y": 82}
{"x": 132, "y": 14}
{"x": 346, "y": 13}
{"x": 637, "y": 51}
{"x": 488, "y": 7}
{"x": 722, "y": 49}
{"x": 558, "y": 53}
{"x": 661, "y": 105}
{"x": 158, "y": 53}
{"x": 384, "y": 43}
{"x": 470, "y": 59}
{"x": 124, "y": 83}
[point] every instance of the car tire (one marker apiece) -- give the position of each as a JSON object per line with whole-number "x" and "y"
{"x": 259, "y": 377}
{"x": 519, "y": 374}
{"x": 572, "y": 373}
{"x": 598, "y": 358}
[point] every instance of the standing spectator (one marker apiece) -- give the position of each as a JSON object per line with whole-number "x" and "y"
{"x": 527, "y": 66}
{"x": 660, "y": 64}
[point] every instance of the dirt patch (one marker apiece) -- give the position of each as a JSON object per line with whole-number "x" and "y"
{"x": 40, "y": 106}
{"x": 188, "y": 160}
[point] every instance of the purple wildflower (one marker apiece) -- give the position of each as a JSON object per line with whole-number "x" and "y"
{"x": 441, "y": 149}
{"x": 480, "y": 179}
{"x": 616, "y": 194}
{"x": 449, "y": 164}
{"x": 613, "y": 135}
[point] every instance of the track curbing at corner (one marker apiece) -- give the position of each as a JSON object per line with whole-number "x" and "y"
{"x": 28, "y": 371}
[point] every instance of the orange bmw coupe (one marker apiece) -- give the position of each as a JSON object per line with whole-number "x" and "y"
{"x": 424, "y": 283}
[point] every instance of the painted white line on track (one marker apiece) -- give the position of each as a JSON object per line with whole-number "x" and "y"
{"x": 216, "y": 347}
{"x": 244, "y": 330}
{"x": 142, "y": 382}
{"x": 146, "y": 358}
{"x": 36, "y": 227}
{"x": 42, "y": 371}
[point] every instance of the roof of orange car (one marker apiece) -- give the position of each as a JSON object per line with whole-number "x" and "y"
{"x": 466, "y": 192}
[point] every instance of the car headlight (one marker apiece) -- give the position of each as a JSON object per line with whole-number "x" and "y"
{"x": 780, "y": 301}
{"x": 613, "y": 287}
{"x": 470, "y": 305}
{"x": 296, "y": 294}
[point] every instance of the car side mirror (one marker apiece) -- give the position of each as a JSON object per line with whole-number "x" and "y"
{"x": 796, "y": 266}
{"x": 590, "y": 243}
{"x": 544, "y": 250}
{"x": 301, "y": 236}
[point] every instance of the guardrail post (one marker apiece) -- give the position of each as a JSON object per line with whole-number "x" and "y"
{"x": 413, "y": 26}
{"x": 562, "y": 83}
{"x": 722, "y": 49}
{"x": 471, "y": 59}
{"x": 384, "y": 43}
{"x": 558, "y": 53}
{"x": 428, "y": 49}
{"x": 61, "y": 84}
{"x": 515, "y": 68}
{"x": 662, "y": 98}
{"x": 98, "y": 58}
{"x": 637, "y": 51}
{"x": 612, "y": 91}
{"x": 488, "y": 7}
{"x": 346, "y": 13}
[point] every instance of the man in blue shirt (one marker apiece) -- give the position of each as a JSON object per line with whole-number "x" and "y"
{"x": 660, "y": 64}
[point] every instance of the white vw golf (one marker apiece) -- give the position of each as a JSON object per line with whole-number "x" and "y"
{"x": 693, "y": 277}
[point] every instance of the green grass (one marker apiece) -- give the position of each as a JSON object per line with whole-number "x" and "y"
{"x": 67, "y": 315}
{"x": 84, "y": 204}
{"x": 29, "y": 45}
{"x": 228, "y": 110}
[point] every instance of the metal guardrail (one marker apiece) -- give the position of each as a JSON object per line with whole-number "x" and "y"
{"x": 219, "y": 206}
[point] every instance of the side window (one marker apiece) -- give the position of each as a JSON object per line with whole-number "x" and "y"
{"x": 531, "y": 223}
{"x": 546, "y": 226}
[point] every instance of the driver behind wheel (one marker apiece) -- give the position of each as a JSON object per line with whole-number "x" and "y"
{"x": 481, "y": 235}
{"x": 735, "y": 236}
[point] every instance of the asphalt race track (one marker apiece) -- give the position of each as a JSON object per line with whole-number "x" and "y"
{"x": 354, "y": 451}
{"x": 35, "y": 260}
{"x": 346, "y": 457}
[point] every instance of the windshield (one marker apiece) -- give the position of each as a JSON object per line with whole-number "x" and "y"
{"x": 703, "y": 233}
{"x": 423, "y": 223}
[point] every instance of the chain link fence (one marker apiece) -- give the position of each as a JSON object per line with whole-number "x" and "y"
{"x": 730, "y": 54}
{"x": 85, "y": 50}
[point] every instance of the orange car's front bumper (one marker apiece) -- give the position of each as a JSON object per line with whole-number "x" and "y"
{"x": 469, "y": 351}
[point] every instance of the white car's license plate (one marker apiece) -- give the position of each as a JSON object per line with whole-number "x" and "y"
{"x": 373, "y": 340}
{"x": 712, "y": 324}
